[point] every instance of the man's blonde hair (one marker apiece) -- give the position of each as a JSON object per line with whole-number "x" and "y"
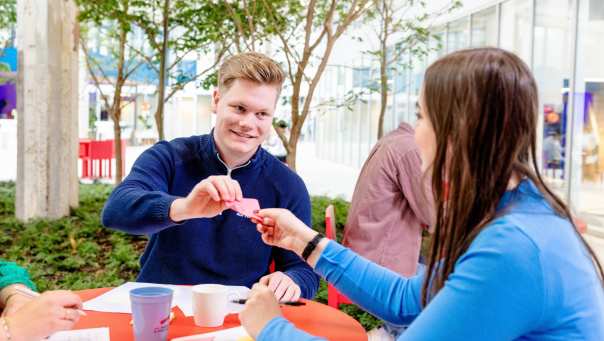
{"x": 251, "y": 66}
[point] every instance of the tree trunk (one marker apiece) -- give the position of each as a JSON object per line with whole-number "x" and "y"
{"x": 116, "y": 107}
{"x": 163, "y": 56}
{"x": 117, "y": 146}
{"x": 298, "y": 118}
{"x": 292, "y": 145}
{"x": 290, "y": 159}
{"x": 159, "y": 116}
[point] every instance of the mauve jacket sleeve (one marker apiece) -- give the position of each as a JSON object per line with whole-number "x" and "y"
{"x": 415, "y": 187}
{"x": 141, "y": 203}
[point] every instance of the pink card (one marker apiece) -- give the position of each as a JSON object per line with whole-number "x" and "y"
{"x": 247, "y": 207}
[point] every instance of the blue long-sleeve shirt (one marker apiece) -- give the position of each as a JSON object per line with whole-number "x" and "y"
{"x": 526, "y": 276}
{"x": 224, "y": 249}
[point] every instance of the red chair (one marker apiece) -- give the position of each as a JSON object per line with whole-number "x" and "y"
{"x": 97, "y": 157}
{"x": 334, "y": 297}
{"x": 84, "y": 155}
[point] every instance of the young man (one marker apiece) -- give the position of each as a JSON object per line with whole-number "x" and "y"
{"x": 176, "y": 193}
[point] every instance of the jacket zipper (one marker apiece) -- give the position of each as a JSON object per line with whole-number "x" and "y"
{"x": 230, "y": 170}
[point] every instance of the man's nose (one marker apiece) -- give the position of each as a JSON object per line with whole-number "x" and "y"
{"x": 247, "y": 121}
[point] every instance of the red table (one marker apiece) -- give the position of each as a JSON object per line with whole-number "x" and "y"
{"x": 315, "y": 318}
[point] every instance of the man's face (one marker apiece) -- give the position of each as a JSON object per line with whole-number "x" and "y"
{"x": 244, "y": 115}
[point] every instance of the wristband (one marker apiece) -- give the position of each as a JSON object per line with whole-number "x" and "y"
{"x": 312, "y": 244}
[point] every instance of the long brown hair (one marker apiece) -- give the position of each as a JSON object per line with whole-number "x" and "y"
{"x": 483, "y": 105}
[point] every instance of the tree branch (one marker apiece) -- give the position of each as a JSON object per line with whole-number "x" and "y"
{"x": 131, "y": 71}
{"x": 144, "y": 56}
{"x": 250, "y": 22}
{"x": 151, "y": 37}
{"x": 181, "y": 86}
{"x": 182, "y": 56}
{"x": 287, "y": 51}
{"x": 310, "y": 15}
{"x": 95, "y": 79}
{"x": 239, "y": 33}
{"x": 361, "y": 7}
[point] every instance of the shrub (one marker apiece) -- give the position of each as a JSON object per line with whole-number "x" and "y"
{"x": 76, "y": 252}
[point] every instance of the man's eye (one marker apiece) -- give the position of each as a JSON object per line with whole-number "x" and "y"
{"x": 240, "y": 108}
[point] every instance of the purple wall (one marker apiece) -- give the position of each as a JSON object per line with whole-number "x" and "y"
{"x": 8, "y": 99}
{"x": 8, "y": 91}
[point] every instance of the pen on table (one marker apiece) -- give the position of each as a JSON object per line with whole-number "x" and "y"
{"x": 34, "y": 294}
{"x": 292, "y": 303}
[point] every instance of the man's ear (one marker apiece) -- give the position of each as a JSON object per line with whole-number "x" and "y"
{"x": 215, "y": 99}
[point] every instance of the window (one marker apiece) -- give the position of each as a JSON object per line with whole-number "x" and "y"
{"x": 341, "y": 76}
{"x": 516, "y": 27}
{"x": 457, "y": 38}
{"x": 360, "y": 77}
{"x": 587, "y": 183}
{"x": 552, "y": 60}
{"x": 484, "y": 28}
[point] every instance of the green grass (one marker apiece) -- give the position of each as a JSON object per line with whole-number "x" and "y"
{"x": 76, "y": 252}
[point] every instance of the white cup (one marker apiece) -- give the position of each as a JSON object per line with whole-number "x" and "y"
{"x": 210, "y": 304}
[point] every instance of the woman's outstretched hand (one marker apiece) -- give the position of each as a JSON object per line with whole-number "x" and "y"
{"x": 279, "y": 227}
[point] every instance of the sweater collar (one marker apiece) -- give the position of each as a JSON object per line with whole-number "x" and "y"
{"x": 211, "y": 153}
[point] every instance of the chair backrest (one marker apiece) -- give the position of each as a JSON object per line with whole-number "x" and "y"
{"x": 334, "y": 297}
{"x": 330, "y": 222}
{"x": 101, "y": 149}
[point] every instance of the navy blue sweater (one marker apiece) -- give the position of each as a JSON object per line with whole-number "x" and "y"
{"x": 224, "y": 249}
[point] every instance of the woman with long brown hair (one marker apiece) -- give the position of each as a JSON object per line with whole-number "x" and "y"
{"x": 506, "y": 261}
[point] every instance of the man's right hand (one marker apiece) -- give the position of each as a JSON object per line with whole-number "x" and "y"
{"x": 207, "y": 199}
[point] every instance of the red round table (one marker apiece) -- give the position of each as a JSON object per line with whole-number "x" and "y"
{"x": 315, "y": 318}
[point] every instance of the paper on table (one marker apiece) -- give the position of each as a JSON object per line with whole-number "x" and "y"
{"x": 117, "y": 300}
{"x": 231, "y": 334}
{"x": 92, "y": 334}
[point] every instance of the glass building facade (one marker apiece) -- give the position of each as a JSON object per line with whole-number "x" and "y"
{"x": 561, "y": 40}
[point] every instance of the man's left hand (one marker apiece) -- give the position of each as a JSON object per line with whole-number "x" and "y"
{"x": 284, "y": 288}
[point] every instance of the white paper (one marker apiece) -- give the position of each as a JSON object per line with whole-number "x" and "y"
{"x": 117, "y": 300}
{"x": 231, "y": 334}
{"x": 92, "y": 334}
